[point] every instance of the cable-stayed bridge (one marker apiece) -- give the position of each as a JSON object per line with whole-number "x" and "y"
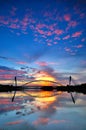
{"x": 45, "y": 85}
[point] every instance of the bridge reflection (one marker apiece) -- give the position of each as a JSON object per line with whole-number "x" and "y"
{"x": 41, "y": 93}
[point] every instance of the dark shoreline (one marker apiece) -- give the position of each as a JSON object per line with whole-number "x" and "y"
{"x": 77, "y": 88}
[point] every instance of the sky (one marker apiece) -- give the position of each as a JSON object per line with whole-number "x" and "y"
{"x": 42, "y": 39}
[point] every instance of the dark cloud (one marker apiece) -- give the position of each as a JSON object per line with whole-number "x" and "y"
{"x": 10, "y": 73}
{"x": 6, "y": 58}
{"x": 6, "y": 68}
{"x": 50, "y": 71}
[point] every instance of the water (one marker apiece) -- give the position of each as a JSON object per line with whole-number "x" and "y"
{"x": 39, "y": 110}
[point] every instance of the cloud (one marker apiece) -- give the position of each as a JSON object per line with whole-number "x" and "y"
{"x": 14, "y": 122}
{"x": 83, "y": 62}
{"x": 5, "y": 68}
{"x": 7, "y": 73}
{"x": 67, "y": 49}
{"x": 13, "y": 11}
{"x": 79, "y": 46}
{"x": 9, "y": 107}
{"x": 14, "y": 26}
{"x": 21, "y": 62}
{"x": 67, "y": 17}
{"x": 83, "y": 39}
{"x": 71, "y": 24}
{"x": 58, "y": 31}
{"x": 58, "y": 121}
{"x": 15, "y": 23}
{"x": 41, "y": 121}
{"x": 44, "y": 31}
{"x": 43, "y": 63}
{"x": 77, "y": 34}
{"x": 4, "y": 101}
{"x": 47, "y": 72}
{"x": 6, "y": 58}
{"x": 66, "y": 37}
{"x": 13, "y": 60}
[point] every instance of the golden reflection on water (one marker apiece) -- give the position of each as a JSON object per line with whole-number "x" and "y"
{"x": 41, "y": 99}
{"x": 33, "y": 93}
{"x": 44, "y": 98}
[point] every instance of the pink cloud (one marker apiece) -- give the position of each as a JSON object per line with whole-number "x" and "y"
{"x": 66, "y": 37}
{"x": 13, "y": 11}
{"x": 16, "y": 23}
{"x": 14, "y": 26}
{"x": 51, "y": 27}
{"x": 3, "y": 21}
{"x": 83, "y": 62}
{"x": 40, "y": 26}
{"x": 41, "y": 31}
{"x": 4, "y": 101}
{"x": 15, "y": 20}
{"x": 49, "y": 33}
{"x": 24, "y": 23}
{"x": 57, "y": 38}
{"x": 7, "y": 76}
{"x": 1, "y": 71}
{"x": 43, "y": 63}
{"x": 42, "y": 121}
{"x": 55, "y": 42}
{"x": 67, "y": 49}
{"x": 20, "y": 72}
{"x": 14, "y": 122}
{"x": 77, "y": 34}
{"x": 79, "y": 46}
{"x": 21, "y": 62}
{"x": 10, "y": 74}
{"x": 82, "y": 15}
{"x": 83, "y": 39}
{"x": 72, "y": 23}
{"x": 57, "y": 121}
{"x": 67, "y": 17}
{"x": 49, "y": 44}
{"x": 58, "y": 31}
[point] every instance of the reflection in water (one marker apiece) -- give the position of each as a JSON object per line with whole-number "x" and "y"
{"x": 39, "y": 110}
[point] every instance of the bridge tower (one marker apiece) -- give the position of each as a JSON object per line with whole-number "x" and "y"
{"x": 70, "y": 80}
{"x": 15, "y": 90}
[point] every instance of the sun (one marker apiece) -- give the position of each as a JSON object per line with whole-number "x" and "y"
{"x": 45, "y": 81}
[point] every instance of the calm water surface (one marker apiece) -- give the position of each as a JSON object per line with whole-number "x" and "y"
{"x": 39, "y": 110}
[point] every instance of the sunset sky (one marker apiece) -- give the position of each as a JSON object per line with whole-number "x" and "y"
{"x": 42, "y": 39}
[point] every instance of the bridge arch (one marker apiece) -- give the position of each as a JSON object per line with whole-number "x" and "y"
{"x": 53, "y": 83}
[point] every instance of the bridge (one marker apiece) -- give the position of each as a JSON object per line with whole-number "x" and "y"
{"x": 39, "y": 83}
{"x": 56, "y": 86}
